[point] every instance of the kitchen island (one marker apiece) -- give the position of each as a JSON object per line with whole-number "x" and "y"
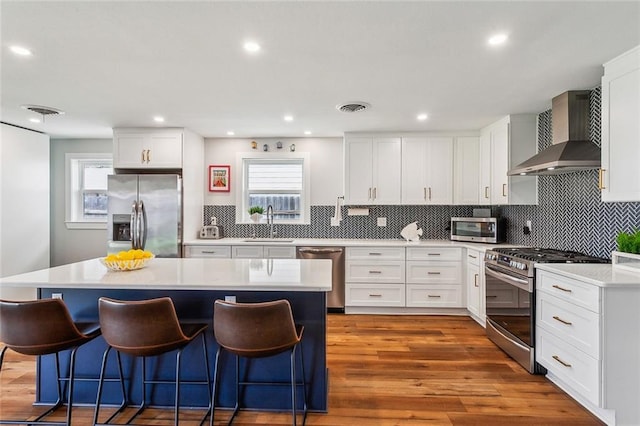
{"x": 194, "y": 285}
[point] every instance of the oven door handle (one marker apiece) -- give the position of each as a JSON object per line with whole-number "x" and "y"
{"x": 517, "y": 282}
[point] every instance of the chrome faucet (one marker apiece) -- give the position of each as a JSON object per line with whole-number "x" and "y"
{"x": 270, "y": 220}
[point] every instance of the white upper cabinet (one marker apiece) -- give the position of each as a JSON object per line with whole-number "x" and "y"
{"x": 467, "y": 171}
{"x": 620, "y": 174}
{"x": 147, "y": 148}
{"x": 427, "y": 170}
{"x": 372, "y": 170}
{"x": 508, "y": 142}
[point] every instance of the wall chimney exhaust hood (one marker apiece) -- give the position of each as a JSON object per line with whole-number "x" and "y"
{"x": 571, "y": 150}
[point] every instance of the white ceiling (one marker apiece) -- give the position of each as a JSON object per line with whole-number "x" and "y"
{"x": 111, "y": 64}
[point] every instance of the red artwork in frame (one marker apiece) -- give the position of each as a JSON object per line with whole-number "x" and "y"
{"x": 219, "y": 178}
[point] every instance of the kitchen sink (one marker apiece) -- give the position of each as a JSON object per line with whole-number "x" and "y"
{"x": 268, "y": 240}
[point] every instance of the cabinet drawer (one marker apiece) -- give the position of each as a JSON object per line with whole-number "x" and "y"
{"x": 574, "y": 367}
{"x": 434, "y": 253}
{"x": 500, "y": 297}
{"x": 434, "y": 296}
{"x": 374, "y": 294}
{"x": 208, "y": 251}
{"x": 377, "y": 253}
{"x": 247, "y": 252}
{"x": 570, "y": 323}
{"x": 473, "y": 257}
{"x": 279, "y": 252}
{"x": 371, "y": 272}
{"x": 573, "y": 291}
{"x": 434, "y": 272}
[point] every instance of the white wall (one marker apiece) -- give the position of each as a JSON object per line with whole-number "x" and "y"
{"x": 24, "y": 205}
{"x": 326, "y": 165}
{"x": 72, "y": 245}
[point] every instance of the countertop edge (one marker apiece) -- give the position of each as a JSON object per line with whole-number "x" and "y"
{"x": 600, "y": 275}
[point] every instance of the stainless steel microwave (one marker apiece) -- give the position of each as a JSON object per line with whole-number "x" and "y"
{"x": 478, "y": 229}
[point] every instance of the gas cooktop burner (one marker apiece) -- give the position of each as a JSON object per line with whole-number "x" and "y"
{"x": 546, "y": 255}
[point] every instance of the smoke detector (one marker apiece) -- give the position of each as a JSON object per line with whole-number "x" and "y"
{"x": 350, "y": 107}
{"x": 43, "y": 110}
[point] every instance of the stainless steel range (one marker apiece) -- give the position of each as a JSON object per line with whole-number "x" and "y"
{"x": 510, "y": 297}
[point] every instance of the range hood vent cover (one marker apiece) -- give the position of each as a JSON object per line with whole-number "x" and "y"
{"x": 571, "y": 150}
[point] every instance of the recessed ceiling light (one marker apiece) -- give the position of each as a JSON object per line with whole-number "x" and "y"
{"x": 19, "y": 50}
{"x": 523, "y": 173}
{"x": 422, "y": 117}
{"x": 288, "y": 118}
{"x": 307, "y": 132}
{"x": 251, "y": 46}
{"x": 158, "y": 119}
{"x": 34, "y": 120}
{"x": 551, "y": 168}
{"x": 231, "y": 133}
{"x": 497, "y": 39}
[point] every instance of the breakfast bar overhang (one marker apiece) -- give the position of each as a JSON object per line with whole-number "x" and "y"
{"x": 193, "y": 284}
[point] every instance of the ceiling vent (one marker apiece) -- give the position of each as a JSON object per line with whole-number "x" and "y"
{"x": 350, "y": 107}
{"x": 43, "y": 110}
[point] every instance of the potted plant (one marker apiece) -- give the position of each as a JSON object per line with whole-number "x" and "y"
{"x": 629, "y": 242}
{"x": 628, "y": 254}
{"x": 255, "y": 213}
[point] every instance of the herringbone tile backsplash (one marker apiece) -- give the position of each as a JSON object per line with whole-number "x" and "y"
{"x": 569, "y": 216}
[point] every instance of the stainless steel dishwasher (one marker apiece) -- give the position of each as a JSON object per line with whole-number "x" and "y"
{"x": 335, "y": 298}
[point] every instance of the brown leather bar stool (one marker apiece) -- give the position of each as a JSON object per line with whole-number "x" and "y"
{"x": 257, "y": 330}
{"x": 43, "y": 327}
{"x": 142, "y": 329}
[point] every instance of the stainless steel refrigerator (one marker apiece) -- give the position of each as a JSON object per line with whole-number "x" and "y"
{"x": 145, "y": 211}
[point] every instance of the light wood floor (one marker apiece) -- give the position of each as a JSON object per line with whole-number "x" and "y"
{"x": 384, "y": 370}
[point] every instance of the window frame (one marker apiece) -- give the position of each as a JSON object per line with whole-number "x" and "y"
{"x": 242, "y": 214}
{"x": 74, "y": 190}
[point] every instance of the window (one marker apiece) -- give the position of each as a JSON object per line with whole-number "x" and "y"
{"x": 86, "y": 193}
{"x": 282, "y": 182}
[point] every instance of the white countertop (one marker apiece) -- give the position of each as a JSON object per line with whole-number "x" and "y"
{"x": 186, "y": 274}
{"x": 342, "y": 242}
{"x": 601, "y": 275}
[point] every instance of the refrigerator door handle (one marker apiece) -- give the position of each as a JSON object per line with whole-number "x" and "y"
{"x": 143, "y": 225}
{"x": 132, "y": 225}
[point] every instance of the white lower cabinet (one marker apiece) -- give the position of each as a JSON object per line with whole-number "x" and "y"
{"x": 374, "y": 276}
{"x": 442, "y": 296}
{"x": 587, "y": 338}
{"x": 374, "y": 295}
{"x": 263, "y": 252}
{"x": 220, "y": 252}
{"x": 240, "y": 251}
{"x": 434, "y": 277}
{"x": 475, "y": 285}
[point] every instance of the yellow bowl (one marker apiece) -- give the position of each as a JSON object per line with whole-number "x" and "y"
{"x": 125, "y": 265}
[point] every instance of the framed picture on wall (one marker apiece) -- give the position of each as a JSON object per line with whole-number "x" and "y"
{"x": 219, "y": 178}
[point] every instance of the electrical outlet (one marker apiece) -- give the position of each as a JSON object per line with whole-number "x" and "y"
{"x": 382, "y": 221}
{"x": 231, "y": 299}
{"x": 56, "y": 295}
{"x": 335, "y": 222}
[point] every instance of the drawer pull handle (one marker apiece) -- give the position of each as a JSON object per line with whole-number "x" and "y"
{"x": 431, "y": 296}
{"x": 375, "y": 272}
{"x": 491, "y": 296}
{"x": 557, "y": 318}
{"x": 208, "y": 251}
{"x": 473, "y": 257}
{"x": 567, "y": 290}
{"x": 375, "y": 295}
{"x": 475, "y": 280}
{"x": 433, "y": 273}
{"x": 557, "y": 358}
{"x": 375, "y": 254}
{"x": 433, "y": 254}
